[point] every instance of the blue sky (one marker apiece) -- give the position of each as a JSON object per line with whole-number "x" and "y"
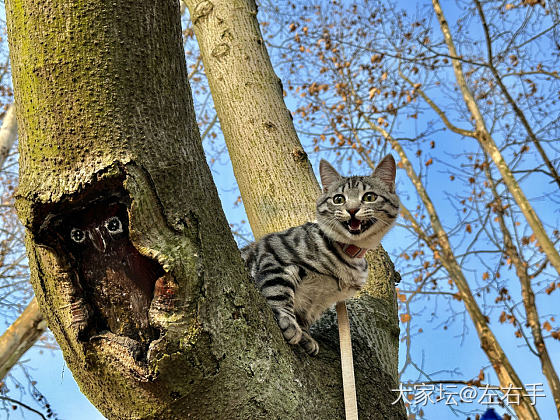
{"x": 55, "y": 382}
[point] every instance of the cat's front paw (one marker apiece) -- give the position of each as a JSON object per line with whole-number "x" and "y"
{"x": 309, "y": 344}
{"x": 290, "y": 329}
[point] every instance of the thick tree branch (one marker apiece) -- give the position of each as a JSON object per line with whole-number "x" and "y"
{"x": 234, "y": 46}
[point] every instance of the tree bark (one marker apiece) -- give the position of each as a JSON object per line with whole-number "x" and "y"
{"x": 20, "y": 336}
{"x": 158, "y": 321}
{"x": 268, "y": 160}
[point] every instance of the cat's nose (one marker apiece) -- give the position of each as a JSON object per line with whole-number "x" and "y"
{"x": 352, "y": 211}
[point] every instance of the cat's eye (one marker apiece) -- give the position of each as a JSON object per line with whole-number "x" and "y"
{"x": 77, "y": 235}
{"x": 369, "y": 197}
{"x": 114, "y": 225}
{"x": 339, "y": 199}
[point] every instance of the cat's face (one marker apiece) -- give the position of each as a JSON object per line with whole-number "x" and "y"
{"x": 358, "y": 209}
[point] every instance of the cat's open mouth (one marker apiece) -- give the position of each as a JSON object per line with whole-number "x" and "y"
{"x": 355, "y": 226}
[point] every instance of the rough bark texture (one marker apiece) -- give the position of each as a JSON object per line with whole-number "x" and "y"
{"x": 273, "y": 172}
{"x": 107, "y": 130}
{"x": 20, "y": 336}
{"x": 257, "y": 125}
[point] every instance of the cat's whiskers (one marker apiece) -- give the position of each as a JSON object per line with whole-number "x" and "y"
{"x": 332, "y": 224}
{"x": 381, "y": 221}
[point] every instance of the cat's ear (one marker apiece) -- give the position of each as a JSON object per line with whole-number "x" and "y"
{"x": 386, "y": 171}
{"x": 328, "y": 174}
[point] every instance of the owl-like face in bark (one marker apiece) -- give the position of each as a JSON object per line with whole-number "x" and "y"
{"x": 113, "y": 283}
{"x": 100, "y": 234}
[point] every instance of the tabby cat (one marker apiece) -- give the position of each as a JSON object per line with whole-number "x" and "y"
{"x": 306, "y": 269}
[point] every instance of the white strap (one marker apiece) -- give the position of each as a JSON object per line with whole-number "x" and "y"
{"x": 347, "y": 363}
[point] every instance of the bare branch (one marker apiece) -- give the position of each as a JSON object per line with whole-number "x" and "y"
{"x": 20, "y": 336}
{"x": 533, "y": 319}
{"x": 455, "y": 129}
{"x": 489, "y": 343}
{"x": 510, "y": 100}
{"x": 489, "y": 145}
{"x": 8, "y": 133}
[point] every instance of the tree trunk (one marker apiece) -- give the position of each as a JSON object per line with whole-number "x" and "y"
{"x": 20, "y": 336}
{"x": 273, "y": 172}
{"x": 131, "y": 258}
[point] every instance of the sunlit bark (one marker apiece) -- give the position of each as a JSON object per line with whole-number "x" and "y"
{"x": 8, "y": 133}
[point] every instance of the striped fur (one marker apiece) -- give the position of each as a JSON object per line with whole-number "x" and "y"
{"x": 303, "y": 270}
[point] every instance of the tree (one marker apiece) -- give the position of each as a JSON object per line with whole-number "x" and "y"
{"x": 8, "y": 133}
{"x": 370, "y": 76}
{"x": 30, "y": 325}
{"x": 131, "y": 258}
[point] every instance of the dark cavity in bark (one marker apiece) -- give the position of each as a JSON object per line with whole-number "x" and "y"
{"x": 111, "y": 283}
